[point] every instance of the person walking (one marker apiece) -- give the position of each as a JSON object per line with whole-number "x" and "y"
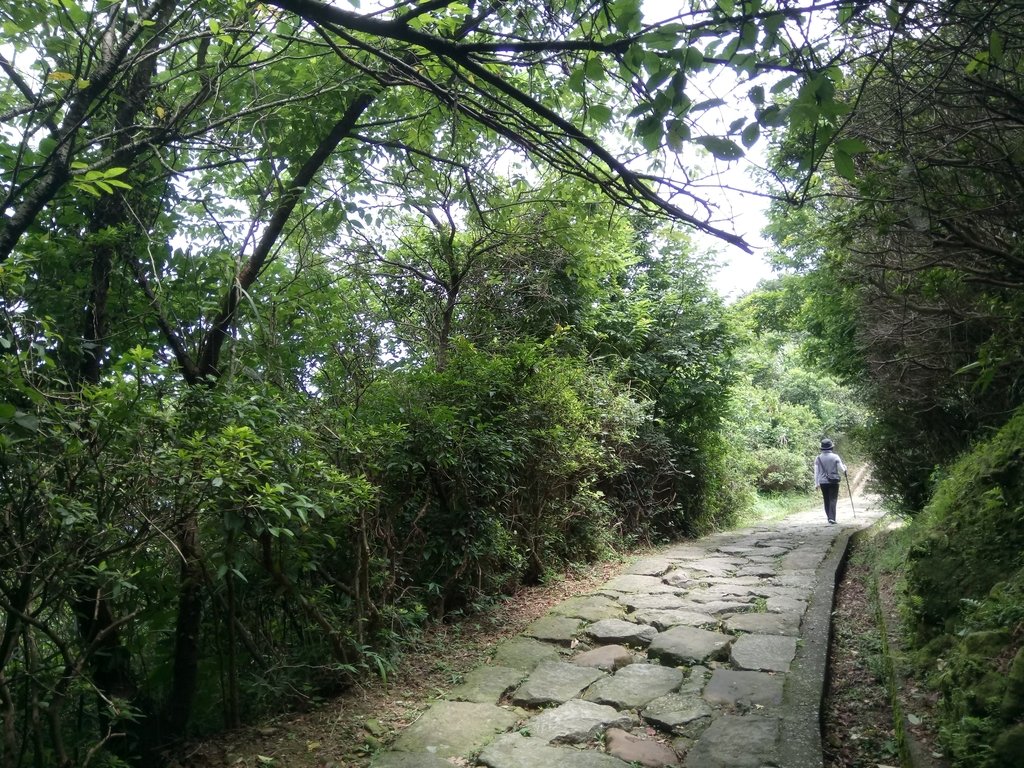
{"x": 828, "y": 471}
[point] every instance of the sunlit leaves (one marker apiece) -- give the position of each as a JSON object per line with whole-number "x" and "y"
{"x": 94, "y": 182}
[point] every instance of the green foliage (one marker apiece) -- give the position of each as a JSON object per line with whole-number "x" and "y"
{"x": 965, "y": 584}
{"x": 971, "y": 534}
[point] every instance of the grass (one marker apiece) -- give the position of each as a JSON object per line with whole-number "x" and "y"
{"x": 770, "y": 508}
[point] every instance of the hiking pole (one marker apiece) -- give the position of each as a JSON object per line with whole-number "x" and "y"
{"x": 851, "y": 495}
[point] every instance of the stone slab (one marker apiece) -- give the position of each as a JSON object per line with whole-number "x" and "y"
{"x": 649, "y": 566}
{"x": 454, "y": 729}
{"x": 676, "y": 712}
{"x": 688, "y": 645}
{"x": 513, "y": 750}
{"x": 590, "y": 608}
{"x": 642, "y": 584}
{"x": 660, "y": 602}
{"x": 408, "y": 760}
{"x": 637, "y": 750}
{"x": 524, "y": 653}
{"x": 765, "y": 623}
{"x": 786, "y": 605}
{"x": 575, "y": 722}
{"x": 682, "y": 578}
{"x": 554, "y": 682}
{"x": 763, "y": 653}
{"x": 554, "y": 629}
{"x": 715, "y": 566}
{"x": 749, "y": 741}
{"x": 635, "y": 685}
{"x": 621, "y": 632}
{"x": 606, "y": 657}
{"x": 487, "y": 684}
{"x": 743, "y": 690}
{"x": 662, "y": 620}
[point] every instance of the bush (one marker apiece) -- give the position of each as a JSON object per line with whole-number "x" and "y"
{"x": 780, "y": 470}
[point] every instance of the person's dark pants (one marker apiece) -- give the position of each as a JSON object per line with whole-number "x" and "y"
{"x": 830, "y": 493}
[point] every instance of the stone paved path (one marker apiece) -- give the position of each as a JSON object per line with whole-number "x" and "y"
{"x": 710, "y": 654}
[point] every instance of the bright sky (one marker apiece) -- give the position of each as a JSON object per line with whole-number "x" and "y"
{"x": 744, "y": 214}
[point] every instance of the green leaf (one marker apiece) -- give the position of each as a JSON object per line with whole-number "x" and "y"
{"x": 844, "y": 164}
{"x": 756, "y": 95}
{"x": 784, "y": 84}
{"x": 694, "y": 58}
{"x": 852, "y": 146}
{"x": 599, "y": 113}
{"x": 217, "y": 482}
{"x": 649, "y": 130}
{"x": 26, "y": 421}
{"x": 577, "y": 82}
{"x": 722, "y": 149}
{"x": 7, "y": 411}
{"x": 750, "y": 135}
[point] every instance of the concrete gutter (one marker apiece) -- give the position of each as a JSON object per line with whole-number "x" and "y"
{"x": 807, "y": 681}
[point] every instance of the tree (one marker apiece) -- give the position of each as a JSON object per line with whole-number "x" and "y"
{"x": 915, "y": 280}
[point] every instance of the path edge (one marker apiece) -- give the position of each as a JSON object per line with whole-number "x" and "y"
{"x": 806, "y": 683}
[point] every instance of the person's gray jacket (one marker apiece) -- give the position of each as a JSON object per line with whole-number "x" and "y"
{"x": 828, "y": 468}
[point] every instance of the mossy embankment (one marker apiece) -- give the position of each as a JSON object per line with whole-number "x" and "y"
{"x": 963, "y": 588}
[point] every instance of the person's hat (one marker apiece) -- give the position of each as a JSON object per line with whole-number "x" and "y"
{"x": 826, "y": 444}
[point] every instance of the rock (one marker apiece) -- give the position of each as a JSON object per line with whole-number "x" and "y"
{"x": 589, "y": 608}
{"x": 374, "y": 727}
{"x": 659, "y": 602}
{"x": 635, "y": 686}
{"x": 651, "y": 566}
{"x": 408, "y": 760}
{"x": 554, "y": 682}
{"x": 554, "y": 629}
{"x": 763, "y": 653}
{"x": 688, "y": 645}
{"x": 575, "y": 722}
{"x": 765, "y": 623}
{"x": 645, "y": 584}
{"x": 621, "y": 632}
{"x": 607, "y": 657}
{"x": 454, "y": 729}
{"x": 682, "y": 578}
{"x": 749, "y": 741}
{"x": 633, "y": 749}
{"x": 524, "y": 653}
{"x": 675, "y": 712}
{"x": 805, "y": 579}
{"x": 743, "y": 690}
{"x": 487, "y": 684}
{"x": 786, "y": 605}
{"x": 662, "y": 620}
{"x": 719, "y": 607}
{"x": 516, "y": 751}
{"x": 715, "y": 566}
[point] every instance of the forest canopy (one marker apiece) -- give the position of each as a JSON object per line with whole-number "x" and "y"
{"x": 319, "y": 319}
